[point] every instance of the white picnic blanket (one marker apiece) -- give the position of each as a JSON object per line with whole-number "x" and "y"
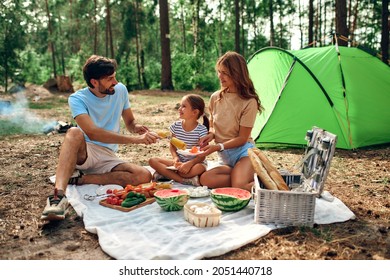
{"x": 150, "y": 233}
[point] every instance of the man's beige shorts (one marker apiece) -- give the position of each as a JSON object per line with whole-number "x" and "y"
{"x": 99, "y": 160}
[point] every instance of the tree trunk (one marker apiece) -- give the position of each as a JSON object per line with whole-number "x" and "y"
{"x": 385, "y": 31}
{"x": 341, "y": 23}
{"x": 319, "y": 23}
{"x": 95, "y": 29}
{"x": 352, "y": 28}
{"x": 220, "y": 28}
{"x": 64, "y": 83}
{"x": 183, "y": 27}
{"x": 61, "y": 45}
{"x": 243, "y": 41}
{"x": 195, "y": 23}
{"x": 237, "y": 21}
{"x": 51, "y": 44}
{"x": 271, "y": 20}
{"x": 137, "y": 43}
{"x": 166, "y": 69}
{"x": 109, "y": 29}
{"x": 311, "y": 21}
{"x": 300, "y": 23}
{"x": 144, "y": 81}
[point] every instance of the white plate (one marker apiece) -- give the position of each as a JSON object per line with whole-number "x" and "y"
{"x": 171, "y": 168}
{"x": 198, "y": 192}
{"x": 103, "y": 189}
{"x": 187, "y": 152}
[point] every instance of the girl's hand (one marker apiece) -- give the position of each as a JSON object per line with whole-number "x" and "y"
{"x": 177, "y": 163}
{"x": 185, "y": 167}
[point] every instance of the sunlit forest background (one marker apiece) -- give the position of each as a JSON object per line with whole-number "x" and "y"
{"x": 173, "y": 44}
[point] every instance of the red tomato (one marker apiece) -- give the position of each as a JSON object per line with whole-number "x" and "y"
{"x": 109, "y": 191}
{"x": 109, "y": 200}
{"x": 114, "y": 201}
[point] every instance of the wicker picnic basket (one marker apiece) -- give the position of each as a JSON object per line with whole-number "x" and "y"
{"x": 297, "y": 206}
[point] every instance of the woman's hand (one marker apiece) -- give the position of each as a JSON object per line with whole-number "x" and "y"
{"x": 205, "y": 140}
{"x": 209, "y": 149}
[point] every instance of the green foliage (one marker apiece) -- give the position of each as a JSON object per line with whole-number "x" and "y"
{"x": 191, "y": 72}
{"x": 127, "y": 74}
{"x": 74, "y": 68}
{"x": 35, "y": 67}
{"x": 194, "y": 51}
{"x": 153, "y": 73}
{"x": 12, "y": 21}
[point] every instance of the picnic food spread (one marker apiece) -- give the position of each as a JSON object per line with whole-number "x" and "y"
{"x": 132, "y": 197}
{"x": 230, "y": 199}
{"x": 267, "y": 173}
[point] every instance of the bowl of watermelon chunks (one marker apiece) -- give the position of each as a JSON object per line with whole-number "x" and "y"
{"x": 230, "y": 199}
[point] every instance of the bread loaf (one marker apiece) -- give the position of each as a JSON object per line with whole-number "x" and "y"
{"x": 263, "y": 166}
{"x": 261, "y": 171}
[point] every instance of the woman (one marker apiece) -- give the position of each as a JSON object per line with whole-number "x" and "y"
{"x": 233, "y": 110}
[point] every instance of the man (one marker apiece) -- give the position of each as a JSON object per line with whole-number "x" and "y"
{"x": 90, "y": 148}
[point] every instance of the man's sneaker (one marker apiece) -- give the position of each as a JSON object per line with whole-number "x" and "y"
{"x": 55, "y": 208}
{"x": 192, "y": 181}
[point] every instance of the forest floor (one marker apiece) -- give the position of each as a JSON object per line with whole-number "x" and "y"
{"x": 360, "y": 178}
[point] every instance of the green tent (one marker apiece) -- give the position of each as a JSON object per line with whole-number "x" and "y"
{"x": 345, "y": 91}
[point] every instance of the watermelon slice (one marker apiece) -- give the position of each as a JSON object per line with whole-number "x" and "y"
{"x": 171, "y": 199}
{"x": 230, "y": 199}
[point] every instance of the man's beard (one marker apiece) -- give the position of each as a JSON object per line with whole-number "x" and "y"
{"x": 107, "y": 91}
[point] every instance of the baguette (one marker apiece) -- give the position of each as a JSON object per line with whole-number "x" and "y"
{"x": 261, "y": 171}
{"x": 271, "y": 170}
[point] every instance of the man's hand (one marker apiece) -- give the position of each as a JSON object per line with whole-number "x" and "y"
{"x": 148, "y": 138}
{"x": 140, "y": 129}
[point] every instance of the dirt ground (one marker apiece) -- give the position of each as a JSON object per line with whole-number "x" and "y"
{"x": 359, "y": 178}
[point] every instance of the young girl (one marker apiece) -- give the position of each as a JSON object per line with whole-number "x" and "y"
{"x": 189, "y": 131}
{"x": 233, "y": 111}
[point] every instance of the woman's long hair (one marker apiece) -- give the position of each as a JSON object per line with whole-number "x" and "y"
{"x": 237, "y": 70}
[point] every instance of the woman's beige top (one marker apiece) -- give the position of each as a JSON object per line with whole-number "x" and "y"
{"x": 230, "y": 112}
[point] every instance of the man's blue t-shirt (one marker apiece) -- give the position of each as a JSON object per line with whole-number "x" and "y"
{"x": 105, "y": 112}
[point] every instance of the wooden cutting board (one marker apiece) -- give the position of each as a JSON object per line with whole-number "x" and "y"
{"x": 125, "y": 209}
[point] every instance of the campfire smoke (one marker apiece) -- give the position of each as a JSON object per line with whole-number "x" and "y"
{"x": 15, "y": 116}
